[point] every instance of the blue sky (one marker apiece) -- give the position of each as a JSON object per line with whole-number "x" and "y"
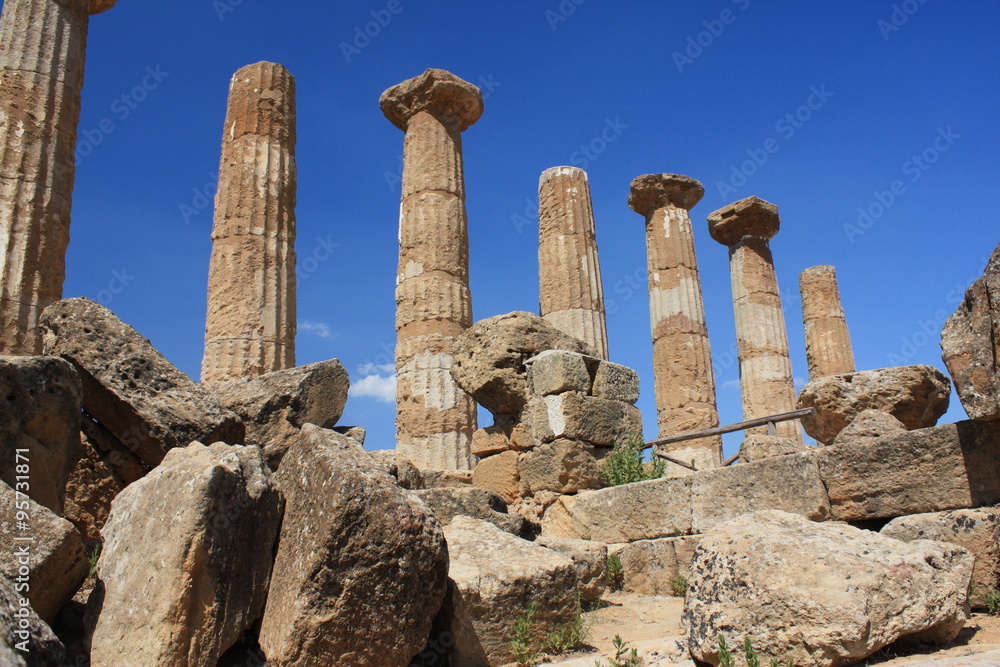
{"x": 820, "y": 108}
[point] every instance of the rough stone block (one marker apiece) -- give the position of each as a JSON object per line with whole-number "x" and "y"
{"x": 952, "y": 466}
{"x": 25, "y": 639}
{"x": 757, "y": 447}
{"x": 590, "y": 560}
{"x": 499, "y": 473}
{"x": 490, "y": 440}
{"x": 576, "y": 416}
{"x": 556, "y": 372}
{"x": 870, "y": 426}
{"x": 616, "y": 382}
{"x": 563, "y": 466}
{"x": 482, "y": 504}
{"x": 649, "y": 565}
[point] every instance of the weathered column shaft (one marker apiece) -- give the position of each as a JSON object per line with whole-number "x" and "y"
{"x": 766, "y": 378}
{"x": 250, "y": 328}
{"x": 570, "y": 295}
{"x": 682, "y": 357}
{"x": 828, "y": 343}
{"x": 435, "y": 419}
{"x": 41, "y": 76}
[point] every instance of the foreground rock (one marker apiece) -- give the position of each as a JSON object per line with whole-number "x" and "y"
{"x": 656, "y": 567}
{"x": 129, "y": 387}
{"x": 353, "y": 545}
{"x": 41, "y": 414}
{"x": 496, "y": 577}
{"x": 821, "y": 594}
{"x": 978, "y": 530}
{"x": 447, "y": 503}
{"x": 186, "y": 558}
{"x": 870, "y": 427}
{"x": 25, "y": 639}
{"x": 757, "y": 447}
{"x": 590, "y": 560}
{"x": 52, "y": 553}
{"x": 915, "y": 395}
{"x": 970, "y": 347}
{"x": 275, "y": 406}
{"x": 489, "y": 358}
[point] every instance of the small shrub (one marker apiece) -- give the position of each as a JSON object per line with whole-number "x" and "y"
{"x": 616, "y": 572}
{"x": 678, "y": 585}
{"x": 725, "y": 656}
{"x": 624, "y": 464}
{"x": 624, "y": 656}
{"x": 527, "y": 652}
{"x": 93, "y": 552}
{"x": 521, "y": 643}
{"x": 749, "y": 654}
{"x": 993, "y": 602}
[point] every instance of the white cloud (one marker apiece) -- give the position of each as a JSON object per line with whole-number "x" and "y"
{"x": 376, "y": 369}
{"x": 731, "y": 384}
{"x": 380, "y": 388}
{"x": 318, "y": 328}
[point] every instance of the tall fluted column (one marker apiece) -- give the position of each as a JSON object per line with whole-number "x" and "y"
{"x": 250, "y": 328}
{"x": 766, "y": 381}
{"x": 828, "y": 343}
{"x": 682, "y": 357}
{"x": 43, "y": 47}
{"x": 434, "y": 417}
{"x": 570, "y": 295}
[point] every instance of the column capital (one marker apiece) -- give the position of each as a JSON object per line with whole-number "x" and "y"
{"x": 652, "y": 191}
{"x": 98, "y": 6}
{"x": 748, "y": 217}
{"x": 455, "y": 102}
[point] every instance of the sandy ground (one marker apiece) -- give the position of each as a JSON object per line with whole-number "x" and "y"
{"x": 652, "y": 624}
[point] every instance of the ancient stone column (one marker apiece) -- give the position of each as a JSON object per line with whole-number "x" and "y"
{"x": 250, "y": 328}
{"x": 570, "y": 295}
{"x": 682, "y": 358}
{"x": 745, "y": 227}
{"x": 434, "y": 417}
{"x": 42, "y": 51}
{"x": 828, "y": 343}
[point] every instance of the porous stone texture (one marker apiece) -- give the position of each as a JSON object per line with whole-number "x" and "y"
{"x": 871, "y": 426}
{"x": 251, "y": 321}
{"x": 822, "y": 595}
{"x": 590, "y": 560}
{"x": 186, "y": 558}
{"x": 915, "y": 395}
{"x": 407, "y": 475}
{"x": 828, "y": 343}
{"x": 483, "y": 504}
{"x": 353, "y": 544}
{"x": 47, "y": 545}
{"x": 946, "y": 467}
{"x": 40, "y": 418}
{"x": 490, "y": 359}
{"x": 570, "y": 292}
{"x": 129, "y": 387}
{"x": 275, "y": 406}
{"x": 970, "y": 345}
{"x": 500, "y": 474}
{"x": 766, "y": 381}
{"x": 41, "y": 78}
{"x": 616, "y": 382}
{"x": 557, "y": 371}
{"x": 576, "y": 416}
{"x": 757, "y": 447}
{"x": 434, "y": 417}
{"x": 682, "y": 358}
{"x": 491, "y": 440}
{"x": 91, "y": 488}
{"x": 496, "y": 577}
{"x": 978, "y": 530}
{"x": 648, "y": 566}
{"x": 25, "y": 639}
{"x": 563, "y": 466}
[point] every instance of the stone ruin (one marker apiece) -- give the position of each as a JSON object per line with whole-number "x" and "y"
{"x": 241, "y": 525}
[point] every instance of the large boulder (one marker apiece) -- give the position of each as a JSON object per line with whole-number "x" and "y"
{"x": 186, "y": 558}
{"x": 447, "y": 503}
{"x": 129, "y": 387}
{"x": 655, "y": 567}
{"x": 275, "y": 406}
{"x": 41, "y": 415}
{"x": 820, "y": 594}
{"x": 978, "y": 530}
{"x": 970, "y": 347}
{"x": 915, "y": 395}
{"x": 590, "y": 560}
{"x": 497, "y": 576}
{"x": 490, "y": 358}
{"x": 25, "y": 639}
{"x": 361, "y": 565}
{"x": 41, "y": 551}
{"x": 952, "y": 466}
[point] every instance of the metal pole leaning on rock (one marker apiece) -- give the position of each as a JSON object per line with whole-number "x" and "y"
{"x": 435, "y": 419}
{"x": 570, "y": 294}
{"x": 828, "y": 343}
{"x": 250, "y": 327}
{"x": 766, "y": 382}
{"x": 682, "y": 357}
{"x": 41, "y": 77}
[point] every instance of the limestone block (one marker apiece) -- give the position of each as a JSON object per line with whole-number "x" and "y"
{"x": 649, "y": 565}
{"x": 616, "y": 382}
{"x": 590, "y": 560}
{"x": 25, "y": 639}
{"x": 490, "y": 440}
{"x": 563, "y": 466}
{"x": 870, "y": 426}
{"x": 576, "y": 416}
{"x": 757, "y": 447}
{"x": 482, "y": 504}
{"x": 558, "y": 371}
{"x": 499, "y": 473}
